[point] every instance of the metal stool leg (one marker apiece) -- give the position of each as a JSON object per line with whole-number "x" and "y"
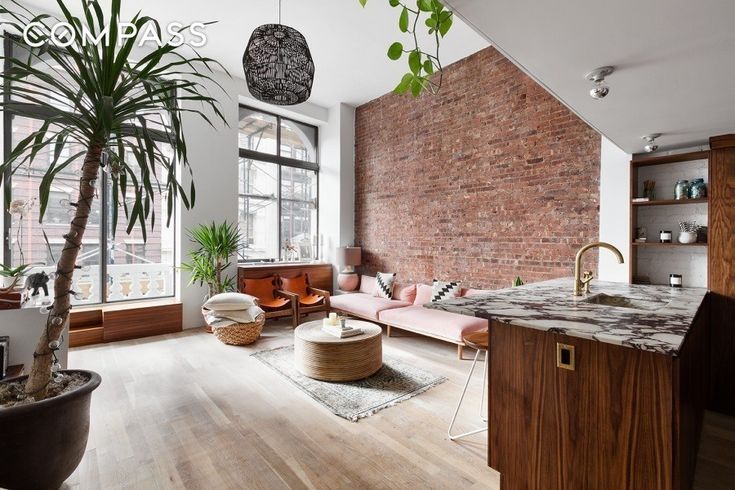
{"x": 483, "y": 414}
{"x": 461, "y": 398}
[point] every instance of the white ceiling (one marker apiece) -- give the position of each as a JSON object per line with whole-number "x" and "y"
{"x": 674, "y": 60}
{"x": 348, "y": 43}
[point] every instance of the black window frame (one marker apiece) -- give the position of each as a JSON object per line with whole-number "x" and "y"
{"x": 281, "y": 161}
{"x": 34, "y": 112}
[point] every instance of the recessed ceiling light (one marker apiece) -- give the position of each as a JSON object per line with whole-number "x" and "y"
{"x": 597, "y": 76}
{"x": 650, "y": 138}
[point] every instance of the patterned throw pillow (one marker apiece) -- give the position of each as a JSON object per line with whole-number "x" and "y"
{"x": 444, "y": 290}
{"x": 384, "y": 284}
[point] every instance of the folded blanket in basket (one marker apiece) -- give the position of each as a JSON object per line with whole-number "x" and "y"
{"x": 229, "y": 317}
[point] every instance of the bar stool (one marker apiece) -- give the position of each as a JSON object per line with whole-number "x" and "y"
{"x": 480, "y": 342}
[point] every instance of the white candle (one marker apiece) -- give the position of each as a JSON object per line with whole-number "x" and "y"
{"x": 333, "y": 318}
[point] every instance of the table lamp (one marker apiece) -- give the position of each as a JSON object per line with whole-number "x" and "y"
{"x": 348, "y": 257}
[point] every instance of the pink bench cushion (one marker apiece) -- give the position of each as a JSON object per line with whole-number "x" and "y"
{"x": 476, "y": 292}
{"x": 437, "y": 323}
{"x": 365, "y": 305}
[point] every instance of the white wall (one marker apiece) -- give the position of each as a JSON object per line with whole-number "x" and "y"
{"x": 24, "y": 328}
{"x": 337, "y": 182}
{"x": 614, "y": 210}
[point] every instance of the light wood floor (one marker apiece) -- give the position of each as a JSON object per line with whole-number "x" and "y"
{"x": 184, "y": 410}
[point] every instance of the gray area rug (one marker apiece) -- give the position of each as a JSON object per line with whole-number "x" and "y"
{"x": 395, "y": 382}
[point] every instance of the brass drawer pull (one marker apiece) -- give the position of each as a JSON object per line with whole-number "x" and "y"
{"x": 565, "y": 356}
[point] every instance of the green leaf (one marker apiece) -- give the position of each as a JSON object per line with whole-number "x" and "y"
{"x": 394, "y": 3}
{"x": 431, "y": 22}
{"x": 403, "y": 20}
{"x": 444, "y": 26}
{"x": 405, "y": 83}
{"x": 425, "y": 5}
{"x": 414, "y": 62}
{"x": 429, "y": 67}
{"x": 363, "y": 2}
{"x": 395, "y": 51}
{"x": 417, "y": 85}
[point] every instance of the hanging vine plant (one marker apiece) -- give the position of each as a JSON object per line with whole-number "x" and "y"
{"x": 424, "y": 65}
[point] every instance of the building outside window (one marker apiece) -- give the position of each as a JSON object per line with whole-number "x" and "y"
{"x": 114, "y": 266}
{"x": 278, "y": 187}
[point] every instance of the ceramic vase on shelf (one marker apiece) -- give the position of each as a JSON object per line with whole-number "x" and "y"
{"x": 697, "y": 189}
{"x": 687, "y": 237}
{"x": 681, "y": 190}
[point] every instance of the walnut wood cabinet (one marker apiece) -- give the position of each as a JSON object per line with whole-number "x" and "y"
{"x": 623, "y": 418}
{"x": 722, "y": 271}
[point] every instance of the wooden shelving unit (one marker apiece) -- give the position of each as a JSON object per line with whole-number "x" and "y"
{"x": 636, "y": 165}
{"x": 668, "y": 245}
{"x": 670, "y": 202}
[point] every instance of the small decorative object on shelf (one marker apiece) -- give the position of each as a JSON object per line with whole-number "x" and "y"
{"x": 675, "y": 280}
{"x": 664, "y": 236}
{"x": 697, "y": 189}
{"x": 688, "y": 232}
{"x": 702, "y": 234}
{"x": 640, "y": 234}
{"x": 649, "y": 190}
{"x": 681, "y": 190}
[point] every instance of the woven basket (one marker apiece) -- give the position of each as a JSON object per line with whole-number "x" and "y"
{"x": 240, "y": 333}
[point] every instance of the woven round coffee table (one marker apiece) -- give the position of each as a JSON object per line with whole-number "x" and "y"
{"x": 322, "y": 356}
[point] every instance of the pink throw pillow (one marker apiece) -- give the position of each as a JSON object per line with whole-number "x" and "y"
{"x": 423, "y": 294}
{"x": 405, "y": 293}
{"x": 367, "y": 285}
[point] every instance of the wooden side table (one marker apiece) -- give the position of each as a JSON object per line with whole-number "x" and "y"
{"x": 322, "y": 356}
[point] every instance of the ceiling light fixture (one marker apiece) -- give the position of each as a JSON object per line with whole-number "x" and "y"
{"x": 597, "y": 76}
{"x": 650, "y": 138}
{"x": 278, "y": 66}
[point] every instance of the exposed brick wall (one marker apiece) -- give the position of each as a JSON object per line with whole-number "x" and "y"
{"x": 490, "y": 179}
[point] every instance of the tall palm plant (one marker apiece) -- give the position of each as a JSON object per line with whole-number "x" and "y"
{"x": 98, "y": 96}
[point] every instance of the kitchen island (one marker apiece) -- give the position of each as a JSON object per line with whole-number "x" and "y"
{"x": 605, "y": 390}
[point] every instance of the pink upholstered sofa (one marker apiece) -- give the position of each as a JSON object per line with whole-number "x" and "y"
{"x": 406, "y": 312}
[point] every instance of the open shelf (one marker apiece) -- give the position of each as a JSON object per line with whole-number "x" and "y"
{"x": 668, "y": 202}
{"x": 668, "y": 245}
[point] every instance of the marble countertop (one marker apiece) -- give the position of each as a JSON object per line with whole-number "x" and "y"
{"x": 656, "y": 319}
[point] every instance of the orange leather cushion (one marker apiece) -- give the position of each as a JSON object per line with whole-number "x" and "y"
{"x": 295, "y": 285}
{"x": 274, "y": 303}
{"x": 260, "y": 288}
{"x": 310, "y": 300}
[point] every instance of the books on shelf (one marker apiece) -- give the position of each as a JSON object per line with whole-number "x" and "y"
{"x": 641, "y": 199}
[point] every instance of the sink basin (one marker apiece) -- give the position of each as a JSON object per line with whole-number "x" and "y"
{"x": 625, "y": 302}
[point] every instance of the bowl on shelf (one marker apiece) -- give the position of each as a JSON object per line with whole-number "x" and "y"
{"x": 687, "y": 237}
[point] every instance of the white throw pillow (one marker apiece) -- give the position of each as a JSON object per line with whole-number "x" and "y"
{"x": 441, "y": 290}
{"x": 384, "y": 284}
{"x": 230, "y": 302}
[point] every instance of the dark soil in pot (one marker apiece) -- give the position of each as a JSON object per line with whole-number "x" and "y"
{"x": 42, "y": 443}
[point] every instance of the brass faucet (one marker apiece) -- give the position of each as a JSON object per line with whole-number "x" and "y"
{"x": 583, "y": 283}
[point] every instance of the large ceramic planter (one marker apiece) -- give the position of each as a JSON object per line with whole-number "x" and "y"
{"x": 41, "y": 444}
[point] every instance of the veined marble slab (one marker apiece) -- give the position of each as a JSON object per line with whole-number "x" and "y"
{"x": 550, "y": 306}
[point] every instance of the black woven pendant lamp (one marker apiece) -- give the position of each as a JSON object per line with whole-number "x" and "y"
{"x": 278, "y": 65}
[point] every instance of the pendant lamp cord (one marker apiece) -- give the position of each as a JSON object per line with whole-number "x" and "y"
{"x": 279, "y": 12}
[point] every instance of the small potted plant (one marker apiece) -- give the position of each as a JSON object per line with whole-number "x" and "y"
{"x": 12, "y": 276}
{"x": 217, "y": 243}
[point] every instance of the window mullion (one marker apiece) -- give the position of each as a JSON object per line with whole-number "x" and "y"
{"x": 104, "y": 218}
